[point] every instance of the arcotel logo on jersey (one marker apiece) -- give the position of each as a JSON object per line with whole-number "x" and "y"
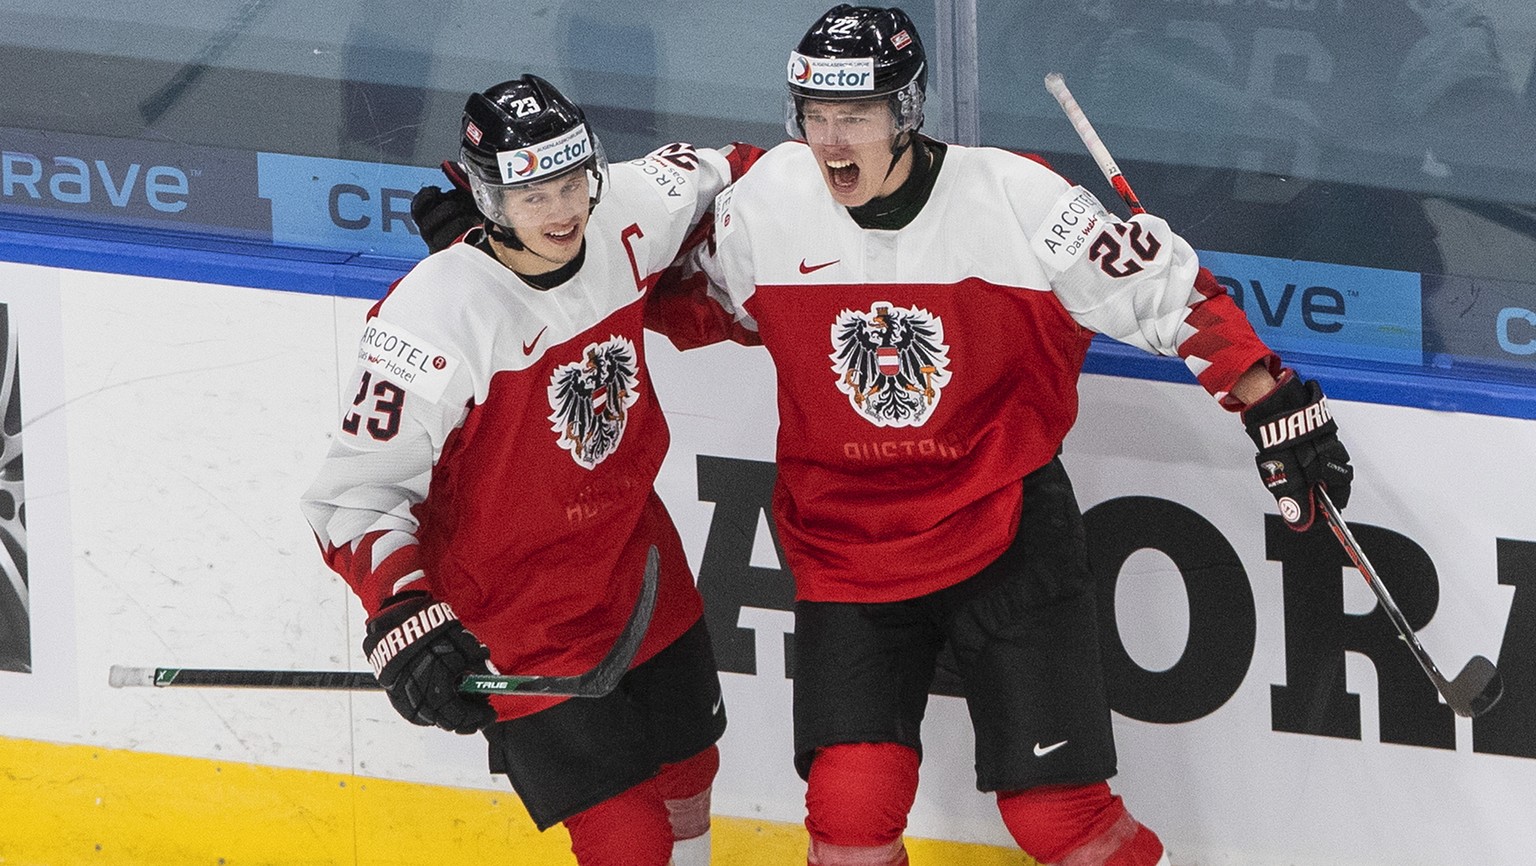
{"x": 1063, "y": 237}
{"x": 850, "y": 74}
{"x": 406, "y": 359}
{"x": 547, "y": 158}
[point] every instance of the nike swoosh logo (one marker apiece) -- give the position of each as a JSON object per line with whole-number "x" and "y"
{"x": 718, "y": 701}
{"x": 529, "y": 346}
{"x": 810, "y": 269}
{"x": 1042, "y": 751}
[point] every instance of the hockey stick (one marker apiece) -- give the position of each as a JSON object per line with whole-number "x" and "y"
{"x": 1478, "y": 687}
{"x": 1058, "y": 88}
{"x": 595, "y": 683}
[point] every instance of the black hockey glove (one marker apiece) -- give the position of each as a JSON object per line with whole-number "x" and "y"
{"x": 442, "y": 216}
{"x": 419, "y": 651}
{"x": 1299, "y": 449}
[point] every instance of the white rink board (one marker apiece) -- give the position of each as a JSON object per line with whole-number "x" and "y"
{"x": 194, "y": 415}
{"x": 1224, "y": 789}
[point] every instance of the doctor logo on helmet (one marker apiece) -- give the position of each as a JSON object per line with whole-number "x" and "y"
{"x": 523, "y": 163}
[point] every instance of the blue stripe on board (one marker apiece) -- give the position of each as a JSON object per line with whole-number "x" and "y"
{"x": 229, "y": 263}
{"x": 322, "y": 272}
{"x": 1359, "y": 382}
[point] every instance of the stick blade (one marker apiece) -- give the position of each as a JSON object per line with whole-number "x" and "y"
{"x": 616, "y": 663}
{"x": 1476, "y": 689}
{"x": 603, "y": 678}
{"x": 119, "y": 676}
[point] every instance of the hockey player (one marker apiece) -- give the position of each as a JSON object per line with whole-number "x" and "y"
{"x": 496, "y": 470}
{"x": 928, "y": 308}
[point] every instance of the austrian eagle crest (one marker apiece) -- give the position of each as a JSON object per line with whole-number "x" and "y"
{"x": 591, "y": 399}
{"x": 891, "y": 362}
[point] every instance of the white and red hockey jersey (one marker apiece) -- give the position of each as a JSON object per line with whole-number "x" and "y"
{"x": 924, "y": 371}
{"x": 501, "y": 448}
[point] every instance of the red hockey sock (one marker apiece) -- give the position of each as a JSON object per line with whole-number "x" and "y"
{"x": 685, "y": 789}
{"x": 629, "y": 829}
{"x": 857, "y": 801}
{"x": 1077, "y": 825}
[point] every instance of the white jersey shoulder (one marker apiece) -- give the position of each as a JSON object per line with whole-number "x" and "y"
{"x": 663, "y": 194}
{"x": 446, "y": 305}
{"x": 992, "y": 215}
{"x": 1131, "y": 279}
{"x": 679, "y": 176}
{"x": 786, "y": 173}
{"x": 779, "y": 222}
{"x": 765, "y": 218}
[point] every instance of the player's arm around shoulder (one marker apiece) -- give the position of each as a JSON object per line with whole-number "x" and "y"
{"x": 724, "y": 256}
{"x": 688, "y": 304}
{"x": 657, "y": 203}
{"x": 682, "y": 178}
{"x": 784, "y": 172}
{"x": 779, "y": 180}
{"x": 751, "y": 206}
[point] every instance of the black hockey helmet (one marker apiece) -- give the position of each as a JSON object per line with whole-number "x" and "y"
{"x": 522, "y": 132}
{"x": 859, "y": 52}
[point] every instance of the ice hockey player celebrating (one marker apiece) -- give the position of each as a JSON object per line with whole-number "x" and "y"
{"x": 495, "y": 472}
{"x": 928, "y": 308}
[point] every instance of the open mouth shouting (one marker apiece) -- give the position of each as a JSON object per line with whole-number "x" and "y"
{"x": 842, "y": 177}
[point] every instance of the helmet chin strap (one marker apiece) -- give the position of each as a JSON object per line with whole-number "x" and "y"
{"x": 897, "y": 149}
{"x": 504, "y": 235}
{"x": 501, "y": 234}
